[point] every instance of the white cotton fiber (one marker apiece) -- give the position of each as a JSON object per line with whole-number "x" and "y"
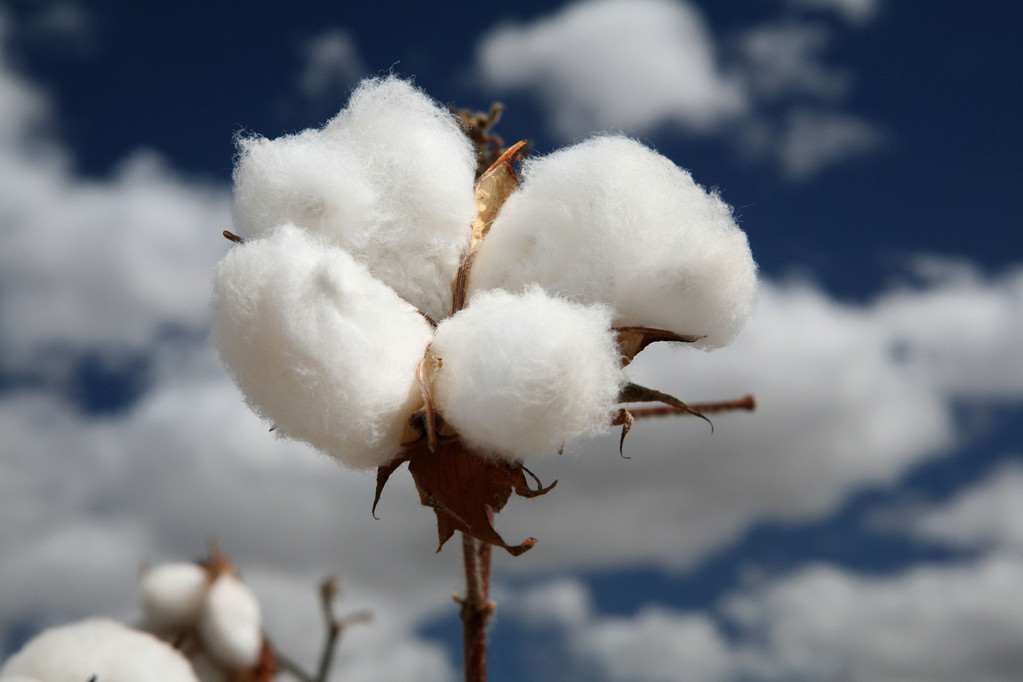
{"x": 389, "y": 179}
{"x": 611, "y": 221}
{"x": 173, "y": 595}
{"x": 319, "y": 347}
{"x": 521, "y": 374}
{"x": 98, "y": 648}
{"x": 231, "y": 628}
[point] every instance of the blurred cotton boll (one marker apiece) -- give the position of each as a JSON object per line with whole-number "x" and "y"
{"x": 389, "y": 180}
{"x": 230, "y": 627}
{"x": 611, "y": 221}
{"x": 97, "y": 649}
{"x": 173, "y": 596}
{"x": 318, "y": 346}
{"x": 521, "y": 374}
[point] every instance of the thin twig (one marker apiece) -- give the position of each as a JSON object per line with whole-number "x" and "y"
{"x": 335, "y": 627}
{"x": 747, "y": 403}
{"x": 285, "y": 664}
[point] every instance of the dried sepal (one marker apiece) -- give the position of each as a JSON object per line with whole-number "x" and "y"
{"x": 634, "y": 393}
{"x": 491, "y": 191}
{"x": 464, "y": 489}
{"x": 383, "y": 475}
{"x": 632, "y": 340}
{"x": 623, "y": 419}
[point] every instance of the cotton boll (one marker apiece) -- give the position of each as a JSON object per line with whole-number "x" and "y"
{"x": 389, "y": 179}
{"x": 98, "y": 648}
{"x": 230, "y": 628}
{"x": 173, "y": 595}
{"x": 318, "y": 346}
{"x": 612, "y": 221}
{"x": 521, "y": 374}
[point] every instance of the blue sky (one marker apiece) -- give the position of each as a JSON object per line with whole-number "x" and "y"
{"x": 865, "y": 524}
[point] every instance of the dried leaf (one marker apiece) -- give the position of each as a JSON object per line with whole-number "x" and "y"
{"x": 464, "y": 489}
{"x": 634, "y": 393}
{"x": 632, "y": 340}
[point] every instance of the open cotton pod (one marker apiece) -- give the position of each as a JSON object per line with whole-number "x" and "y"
{"x": 173, "y": 595}
{"x": 518, "y": 375}
{"x": 611, "y": 221}
{"x": 231, "y": 627}
{"x": 98, "y": 649}
{"x": 319, "y": 347}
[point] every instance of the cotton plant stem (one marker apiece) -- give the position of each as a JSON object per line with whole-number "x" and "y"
{"x": 476, "y": 607}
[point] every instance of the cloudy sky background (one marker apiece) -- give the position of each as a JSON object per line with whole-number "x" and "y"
{"x": 866, "y": 523}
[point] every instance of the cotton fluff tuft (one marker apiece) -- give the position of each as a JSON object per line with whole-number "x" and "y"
{"x": 389, "y": 179}
{"x": 98, "y": 648}
{"x": 612, "y": 221}
{"x": 318, "y": 346}
{"x": 173, "y": 595}
{"x": 521, "y": 374}
{"x": 231, "y": 627}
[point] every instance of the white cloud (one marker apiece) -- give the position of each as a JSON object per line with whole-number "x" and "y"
{"x": 987, "y": 516}
{"x": 857, "y": 12}
{"x": 636, "y": 66}
{"x": 615, "y": 64}
{"x": 24, "y": 105}
{"x": 153, "y": 235}
{"x": 931, "y": 623}
{"x": 659, "y": 646}
{"x": 785, "y": 59}
{"x": 655, "y": 645}
{"x": 332, "y": 64}
{"x": 962, "y": 330}
{"x": 813, "y": 139}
